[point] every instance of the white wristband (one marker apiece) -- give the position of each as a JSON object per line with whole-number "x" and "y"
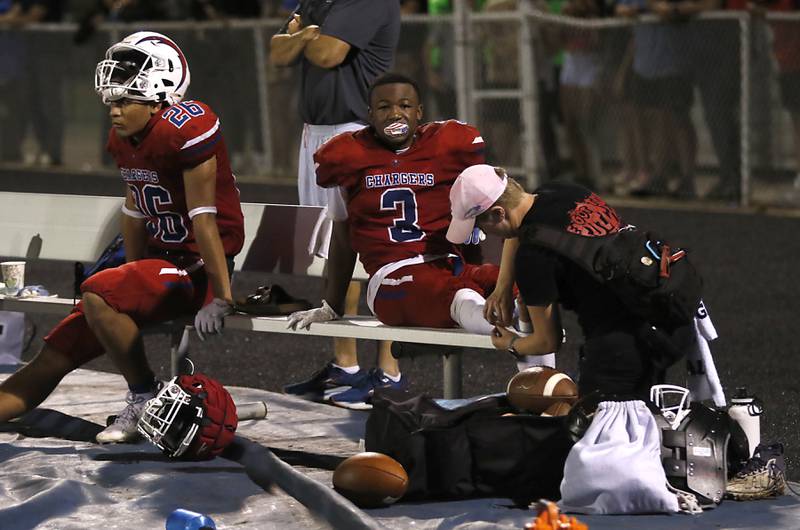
{"x": 202, "y": 209}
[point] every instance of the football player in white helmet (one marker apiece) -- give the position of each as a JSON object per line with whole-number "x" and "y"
{"x": 182, "y": 225}
{"x": 145, "y": 66}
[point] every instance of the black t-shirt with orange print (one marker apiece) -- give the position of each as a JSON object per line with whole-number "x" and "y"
{"x": 545, "y": 277}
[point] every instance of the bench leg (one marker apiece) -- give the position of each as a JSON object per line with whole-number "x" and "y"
{"x": 179, "y": 349}
{"x": 451, "y": 366}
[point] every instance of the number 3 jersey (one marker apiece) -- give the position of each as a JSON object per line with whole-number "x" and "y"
{"x": 176, "y": 139}
{"x": 398, "y": 203}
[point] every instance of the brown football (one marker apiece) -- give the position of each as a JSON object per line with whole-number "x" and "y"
{"x": 371, "y": 480}
{"x": 538, "y": 387}
{"x": 559, "y": 408}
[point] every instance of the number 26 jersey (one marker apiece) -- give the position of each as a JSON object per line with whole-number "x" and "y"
{"x": 175, "y": 139}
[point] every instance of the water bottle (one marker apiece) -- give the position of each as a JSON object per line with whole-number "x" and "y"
{"x": 746, "y": 410}
{"x": 182, "y": 519}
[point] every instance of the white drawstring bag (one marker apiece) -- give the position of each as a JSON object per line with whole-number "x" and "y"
{"x": 12, "y": 336}
{"x": 616, "y": 467}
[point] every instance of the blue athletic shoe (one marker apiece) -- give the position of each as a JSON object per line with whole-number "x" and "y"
{"x": 359, "y": 396}
{"x": 326, "y": 382}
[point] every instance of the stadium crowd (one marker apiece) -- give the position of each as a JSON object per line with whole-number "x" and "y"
{"x": 617, "y": 104}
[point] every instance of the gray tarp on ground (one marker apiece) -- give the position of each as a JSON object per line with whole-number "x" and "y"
{"x": 60, "y": 484}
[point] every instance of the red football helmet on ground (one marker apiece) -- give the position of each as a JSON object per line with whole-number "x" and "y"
{"x": 192, "y": 417}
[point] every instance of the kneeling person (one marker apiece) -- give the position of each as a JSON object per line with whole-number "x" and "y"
{"x": 615, "y": 357}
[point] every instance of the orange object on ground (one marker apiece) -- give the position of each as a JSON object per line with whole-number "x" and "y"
{"x": 549, "y": 518}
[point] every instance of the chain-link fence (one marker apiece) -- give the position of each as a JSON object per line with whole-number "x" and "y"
{"x": 707, "y": 108}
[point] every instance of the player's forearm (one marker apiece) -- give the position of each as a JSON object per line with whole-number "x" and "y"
{"x": 285, "y": 49}
{"x": 211, "y": 250}
{"x": 341, "y": 261}
{"x": 134, "y": 237}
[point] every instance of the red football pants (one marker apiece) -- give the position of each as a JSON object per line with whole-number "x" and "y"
{"x": 421, "y": 294}
{"x": 149, "y": 291}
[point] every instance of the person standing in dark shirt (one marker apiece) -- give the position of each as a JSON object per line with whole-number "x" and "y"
{"x": 617, "y": 355}
{"x": 34, "y": 93}
{"x": 340, "y": 52}
{"x": 341, "y": 48}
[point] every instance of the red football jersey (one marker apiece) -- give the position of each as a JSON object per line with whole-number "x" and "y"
{"x": 178, "y": 138}
{"x": 398, "y": 204}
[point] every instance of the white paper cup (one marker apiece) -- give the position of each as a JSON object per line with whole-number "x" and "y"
{"x": 13, "y": 276}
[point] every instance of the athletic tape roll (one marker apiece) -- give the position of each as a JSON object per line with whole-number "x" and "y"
{"x": 252, "y": 411}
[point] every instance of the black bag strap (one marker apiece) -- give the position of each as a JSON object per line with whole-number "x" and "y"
{"x": 582, "y": 250}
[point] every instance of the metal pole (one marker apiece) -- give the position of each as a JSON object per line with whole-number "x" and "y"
{"x": 530, "y": 123}
{"x": 263, "y": 97}
{"x": 464, "y": 74}
{"x": 451, "y": 367}
{"x": 744, "y": 118}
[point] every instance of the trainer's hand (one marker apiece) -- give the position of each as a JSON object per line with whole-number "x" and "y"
{"x": 211, "y": 318}
{"x": 475, "y": 237}
{"x": 304, "y": 319}
{"x": 502, "y": 337}
{"x": 499, "y": 308}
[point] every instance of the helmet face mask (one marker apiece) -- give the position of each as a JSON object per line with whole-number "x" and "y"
{"x": 171, "y": 419}
{"x": 673, "y": 401}
{"x": 191, "y": 417}
{"x": 144, "y": 66}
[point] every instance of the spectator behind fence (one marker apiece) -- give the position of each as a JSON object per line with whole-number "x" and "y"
{"x": 633, "y": 149}
{"x": 229, "y": 53}
{"x": 12, "y": 92}
{"x": 581, "y": 102}
{"x": 662, "y": 90}
{"x": 499, "y": 50}
{"x": 341, "y": 48}
{"x": 786, "y": 49}
{"x": 438, "y": 56}
{"x": 714, "y": 53}
{"x": 410, "y": 53}
{"x": 35, "y": 91}
{"x": 549, "y": 60}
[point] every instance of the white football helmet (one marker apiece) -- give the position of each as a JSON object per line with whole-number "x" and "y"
{"x": 673, "y": 401}
{"x": 144, "y": 66}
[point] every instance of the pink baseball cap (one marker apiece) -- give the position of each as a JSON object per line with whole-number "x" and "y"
{"x": 475, "y": 190}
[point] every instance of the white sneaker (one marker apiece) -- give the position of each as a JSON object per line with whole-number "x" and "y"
{"x": 123, "y": 429}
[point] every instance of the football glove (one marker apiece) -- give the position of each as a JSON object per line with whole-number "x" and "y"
{"x": 304, "y": 319}
{"x": 211, "y": 318}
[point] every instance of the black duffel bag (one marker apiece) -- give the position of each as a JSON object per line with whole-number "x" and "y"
{"x": 472, "y": 450}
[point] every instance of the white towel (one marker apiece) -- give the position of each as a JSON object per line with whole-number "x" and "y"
{"x": 321, "y": 235}
{"x": 703, "y": 378}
